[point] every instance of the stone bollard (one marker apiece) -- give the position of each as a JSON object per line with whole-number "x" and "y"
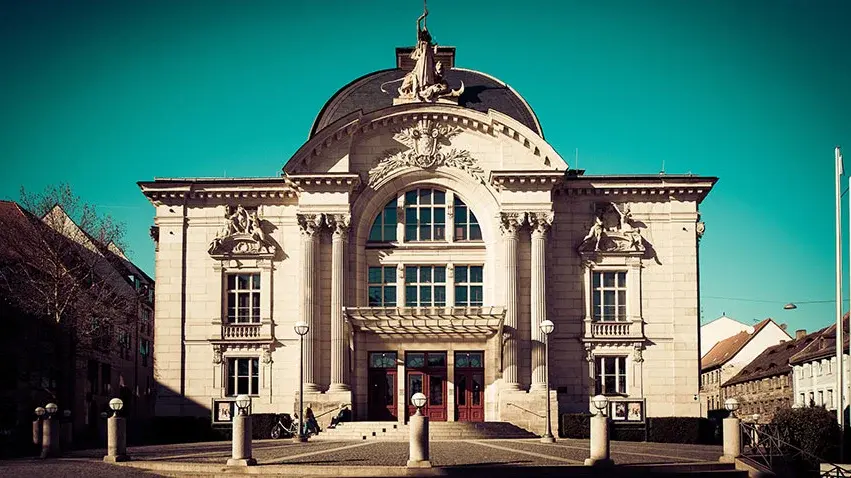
{"x": 241, "y": 442}
{"x": 732, "y": 440}
{"x": 37, "y": 432}
{"x": 116, "y": 440}
{"x": 599, "y": 441}
{"x": 49, "y": 438}
{"x": 418, "y": 452}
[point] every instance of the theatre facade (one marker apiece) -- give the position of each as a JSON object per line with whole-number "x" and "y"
{"x": 423, "y": 232}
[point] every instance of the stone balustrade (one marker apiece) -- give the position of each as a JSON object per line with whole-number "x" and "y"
{"x": 604, "y": 329}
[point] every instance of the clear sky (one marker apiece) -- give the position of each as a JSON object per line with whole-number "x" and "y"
{"x": 101, "y": 94}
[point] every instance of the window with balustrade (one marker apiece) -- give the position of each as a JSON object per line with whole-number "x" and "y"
{"x": 243, "y": 292}
{"x": 611, "y": 375}
{"x": 609, "y": 295}
{"x": 243, "y": 376}
{"x": 469, "y": 286}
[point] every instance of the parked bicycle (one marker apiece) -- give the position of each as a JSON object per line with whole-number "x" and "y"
{"x": 284, "y": 426}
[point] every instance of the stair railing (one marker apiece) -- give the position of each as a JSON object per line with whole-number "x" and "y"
{"x": 765, "y": 445}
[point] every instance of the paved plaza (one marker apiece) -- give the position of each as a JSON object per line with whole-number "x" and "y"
{"x": 509, "y": 457}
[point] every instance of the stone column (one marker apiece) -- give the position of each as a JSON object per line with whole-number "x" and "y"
{"x": 540, "y": 223}
{"x": 310, "y": 225}
{"x": 510, "y": 224}
{"x": 339, "y": 224}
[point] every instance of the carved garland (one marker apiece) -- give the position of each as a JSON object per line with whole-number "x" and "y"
{"x": 425, "y": 142}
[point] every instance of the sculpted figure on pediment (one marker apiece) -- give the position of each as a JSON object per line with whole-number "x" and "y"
{"x": 613, "y": 230}
{"x": 243, "y": 234}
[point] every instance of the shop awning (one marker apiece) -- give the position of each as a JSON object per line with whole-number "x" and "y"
{"x": 468, "y": 321}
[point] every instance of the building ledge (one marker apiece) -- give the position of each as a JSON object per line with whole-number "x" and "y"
{"x": 479, "y": 321}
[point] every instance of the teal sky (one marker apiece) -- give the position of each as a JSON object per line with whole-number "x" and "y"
{"x": 101, "y": 94}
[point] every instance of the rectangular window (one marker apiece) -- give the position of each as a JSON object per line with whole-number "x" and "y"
{"x": 145, "y": 350}
{"x": 243, "y": 298}
{"x": 469, "y": 285}
{"x": 382, "y": 286}
{"x": 611, "y": 375}
{"x": 827, "y": 367}
{"x": 106, "y": 379}
{"x": 829, "y": 398}
{"x": 243, "y": 376}
{"x": 425, "y": 286}
{"x": 124, "y": 345}
{"x": 382, "y": 360}
{"x": 425, "y": 215}
{"x": 820, "y": 398}
{"x": 609, "y": 291}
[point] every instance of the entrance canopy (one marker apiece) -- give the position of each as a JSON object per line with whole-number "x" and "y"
{"x": 468, "y": 321}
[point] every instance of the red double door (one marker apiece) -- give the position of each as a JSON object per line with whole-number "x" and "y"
{"x": 433, "y": 384}
{"x": 469, "y": 402}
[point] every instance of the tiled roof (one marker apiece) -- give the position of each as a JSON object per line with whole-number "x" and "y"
{"x": 729, "y": 347}
{"x": 773, "y": 361}
{"x": 824, "y": 345}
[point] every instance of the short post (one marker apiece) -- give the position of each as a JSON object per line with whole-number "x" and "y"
{"x": 241, "y": 445}
{"x": 418, "y": 423}
{"x": 599, "y": 434}
{"x": 732, "y": 433}
{"x": 49, "y": 438}
{"x": 67, "y": 430}
{"x": 116, "y": 434}
{"x": 37, "y": 427}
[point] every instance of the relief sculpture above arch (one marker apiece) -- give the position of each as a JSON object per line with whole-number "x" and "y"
{"x": 426, "y": 143}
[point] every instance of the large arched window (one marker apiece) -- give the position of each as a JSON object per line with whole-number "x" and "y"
{"x": 427, "y": 215}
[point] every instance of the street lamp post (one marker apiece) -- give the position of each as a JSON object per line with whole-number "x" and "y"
{"x": 49, "y": 440}
{"x": 418, "y": 425}
{"x": 116, "y": 434}
{"x": 732, "y": 433}
{"x": 241, "y": 437}
{"x": 547, "y": 327}
{"x": 301, "y": 328}
{"x": 599, "y": 455}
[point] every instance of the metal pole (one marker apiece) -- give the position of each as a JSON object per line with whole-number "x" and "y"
{"x": 301, "y": 388}
{"x": 548, "y": 437}
{"x": 840, "y": 403}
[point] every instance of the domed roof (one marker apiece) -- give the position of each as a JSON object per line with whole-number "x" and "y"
{"x": 481, "y": 93}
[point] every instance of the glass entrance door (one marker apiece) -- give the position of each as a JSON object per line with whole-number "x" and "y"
{"x": 427, "y": 374}
{"x": 382, "y": 399}
{"x": 469, "y": 387}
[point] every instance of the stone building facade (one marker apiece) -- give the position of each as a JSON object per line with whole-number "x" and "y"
{"x": 423, "y": 232}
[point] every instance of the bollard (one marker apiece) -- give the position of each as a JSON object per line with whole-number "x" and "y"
{"x": 49, "y": 438}
{"x": 37, "y": 425}
{"x": 599, "y": 441}
{"x": 732, "y": 440}
{"x": 241, "y": 440}
{"x": 418, "y": 452}
{"x": 116, "y": 440}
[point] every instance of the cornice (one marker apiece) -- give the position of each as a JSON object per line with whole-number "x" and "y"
{"x": 173, "y": 190}
{"x": 526, "y": 180}
{"x": 660, "y": 186}
{"x": 346, "y": 182}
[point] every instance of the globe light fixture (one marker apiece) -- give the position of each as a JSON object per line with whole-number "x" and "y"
{"x": 301, "y": 328}
{"x": 51, "y": 408}
{"x": 418, "y": 400}
{"x": 600, "y": 403}
{"x": 731, "y": 404}
{"x": 243, "y": 401}
{"x": 547, "y": 327}
{"x": 790, "y": 306}
{"x": 116, "y": 404}
{"x": 40, "y": 411}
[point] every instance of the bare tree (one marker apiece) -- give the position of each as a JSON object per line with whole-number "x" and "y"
{"x": 55, "y": 266}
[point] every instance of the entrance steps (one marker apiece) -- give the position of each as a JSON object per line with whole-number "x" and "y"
{"x": 394, "y": 431}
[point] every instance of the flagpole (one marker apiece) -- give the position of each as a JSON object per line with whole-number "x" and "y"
{"x": 840, "y": 403}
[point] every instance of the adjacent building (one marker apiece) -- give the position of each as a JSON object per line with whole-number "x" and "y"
{"x": 423, "y": 233}
{"x": 815, "y": 368}
{"x": 729, "y": 356}
{"x": 719, "y": 329}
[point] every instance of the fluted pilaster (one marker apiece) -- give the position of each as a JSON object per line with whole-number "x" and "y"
{"x": 540, "y": 223}
{"x": 339, "y": 224}
{"x": 310, "y": 225}
{"x": 510, "y": 224}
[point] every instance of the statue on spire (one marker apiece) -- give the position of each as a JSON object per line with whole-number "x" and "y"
{"x": 425, "y": 82}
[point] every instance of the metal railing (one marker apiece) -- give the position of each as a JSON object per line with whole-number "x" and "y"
{"x": 768, "y": 446}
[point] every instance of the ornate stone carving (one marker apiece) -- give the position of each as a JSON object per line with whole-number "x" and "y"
{"x": 217, "y": 354}
{"x": 266, "y": 358}
{"x": 425, "y": 142}
{"x": 541, "y": 221}
{"x": 614, "y": 230}
{"x": 426, "y": 82}
{"x": 450, "y": 272}
{"x": 310, "y": 224}
{"x": 700, "y": 228}
{"x": 589, "y": 356}
{"x": 339, "y": 224}
{"x": 636, "y": 353}
{"x": 242, "y": 235}
{"x": 511, "y": 222}
{"x": 400, "y": 271}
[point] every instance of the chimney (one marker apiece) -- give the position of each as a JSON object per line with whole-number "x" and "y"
{"x": 800, "y": 334}
{"x": 783, "y": 327}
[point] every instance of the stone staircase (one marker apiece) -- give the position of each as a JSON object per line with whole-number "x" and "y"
{"x": 393, "y": 431}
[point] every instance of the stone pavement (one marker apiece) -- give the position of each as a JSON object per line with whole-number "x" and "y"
{"x": 501, "y": 457}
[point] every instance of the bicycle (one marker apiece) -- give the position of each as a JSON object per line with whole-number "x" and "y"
{"x": 284, "y": 426}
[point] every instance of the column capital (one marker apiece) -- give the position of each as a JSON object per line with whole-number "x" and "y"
{"x": 511, "y": 222}
{"x": 310, "y": 224}
{"x": 339, "y": 224}
{"x": 540, "y": 221}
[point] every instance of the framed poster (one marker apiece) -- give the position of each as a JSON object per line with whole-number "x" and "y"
{"x": 223, "y": 410}
{"x": 627, "y": 411}
{"x": 635, "y": 411}
{"x": 618, "y": 411}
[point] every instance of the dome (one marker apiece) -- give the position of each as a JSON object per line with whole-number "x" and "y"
{"x": 481, "y": 93}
